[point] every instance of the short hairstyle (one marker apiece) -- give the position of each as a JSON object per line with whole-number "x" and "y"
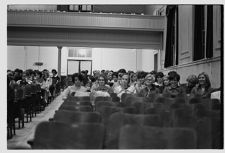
{"x": 132, "y": 75}
{"x": 17, "y": 70}
{"x": 159, "y": 74}
{"x": 171, "y": 72}
{"x": 141, "y": 74}
{"x": 92, "y": 78}
{"x": 128, "y": 76}
{"x": 208, "y": 83}
{"x": 192, "y": 79}
{"x": 103, "y": 76}
{"x": 174, "y": 76}
{"x": 39, "y": 73}
{"x": 79, "y": 76}
{"x": 54, "y": 70}
{"x": 29, "y": 72}
{"x": 153, "y": 72}
{"x": 130, "y": 72}
{"x": 115, "y": 74}
{"x": 150, "y": 75}
{"x": 122, "y": 71}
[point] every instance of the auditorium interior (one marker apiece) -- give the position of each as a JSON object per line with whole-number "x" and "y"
{"x": 113, "y": 76}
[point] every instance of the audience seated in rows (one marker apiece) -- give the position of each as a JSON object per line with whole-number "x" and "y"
{"x": 145, "y": 98}
{"x": 106, "y": 82}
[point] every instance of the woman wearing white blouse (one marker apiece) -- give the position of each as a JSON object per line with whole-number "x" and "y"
{"x": 76, "y": 88}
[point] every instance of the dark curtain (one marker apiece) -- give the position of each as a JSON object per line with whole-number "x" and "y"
{"x": 209, "y": 35}
{"x": 170, "y": 35}
{"x": 222, "y": 69}
{"x": 177, "y": 35}
{"x": 63, "y": 8}
{"x": 222, "y": 30}
{"x": 199, "y": 32}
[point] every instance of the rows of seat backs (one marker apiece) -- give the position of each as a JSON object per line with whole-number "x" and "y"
{"x": 28, "y": 101}
{"x": 132, "y": 123}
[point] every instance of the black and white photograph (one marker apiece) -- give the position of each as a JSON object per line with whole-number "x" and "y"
{"x": 113, "y": 76}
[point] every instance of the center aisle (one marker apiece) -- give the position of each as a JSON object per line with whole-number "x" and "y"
{"x": 27, "y": 133}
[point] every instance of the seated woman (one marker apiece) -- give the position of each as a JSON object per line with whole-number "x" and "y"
{"x": 110, "y": 79}
{"x": 101, "y": 88}
{"x": 124, "y": 87}
{"x": 174, "y": 89}
{"x": 166, "y": 81}
{"x": 133, "y": 79}
{"x": 76, "y": 89}
{"x": 203, "y": 88}
{"x": 140, "y": 81}
{"x": 39, "y": 79}
{"x": 159, "y": 81}
{"x": 150, "y": 87}
{"x": 192, "y": 80}
{"x": 115, "y": 80}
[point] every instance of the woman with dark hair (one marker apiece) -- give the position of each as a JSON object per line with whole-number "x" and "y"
{"x": 203, "y": 88}
{"x": 47, "y": 82}
{"x": 173, "y": 90}
{"x": 102, "y": 89}
{"x": 55, "y": 81}
{"x": 120, "y": 74}
{"x": 77, "y": 86}
{"x": 140, "y": 81}
{"x": 159, "y": 81}
{"x": 39, "y": 79}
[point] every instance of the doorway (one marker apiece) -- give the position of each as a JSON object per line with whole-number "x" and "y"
{"x": 76, "y": 66}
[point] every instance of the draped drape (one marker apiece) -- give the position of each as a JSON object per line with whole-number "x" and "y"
{"x": 170, "y": 35}
{"x": 209, "y": 34}
{"x": 199, "y": 32}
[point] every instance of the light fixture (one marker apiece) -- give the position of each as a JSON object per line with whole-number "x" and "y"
{"x": 38, "y": 63}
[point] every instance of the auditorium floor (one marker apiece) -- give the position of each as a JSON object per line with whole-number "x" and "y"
{"x": 24, "y": 134}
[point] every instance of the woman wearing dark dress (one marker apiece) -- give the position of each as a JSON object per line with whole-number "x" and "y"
{"x": 203, "y": 88}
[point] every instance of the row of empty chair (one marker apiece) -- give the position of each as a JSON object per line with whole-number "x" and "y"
{"x": 133, "y": 123}
{"x": 28, "y": 101}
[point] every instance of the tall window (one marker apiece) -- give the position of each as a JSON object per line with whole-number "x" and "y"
{"x": 203, "y": 32}
{"x": 171, "y": 55}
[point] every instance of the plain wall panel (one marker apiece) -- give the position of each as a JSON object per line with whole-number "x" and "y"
{"x": 15, "y": 57}
{"x": 185, "y": 43}
{"x": 102, "y": 58}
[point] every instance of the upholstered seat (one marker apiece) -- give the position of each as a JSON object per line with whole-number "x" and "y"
{"x": 147, "y": 137}
{"x": 71, "y": 117}
{"x": 76, "y": 108}
{"x": 56, "y": 135}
